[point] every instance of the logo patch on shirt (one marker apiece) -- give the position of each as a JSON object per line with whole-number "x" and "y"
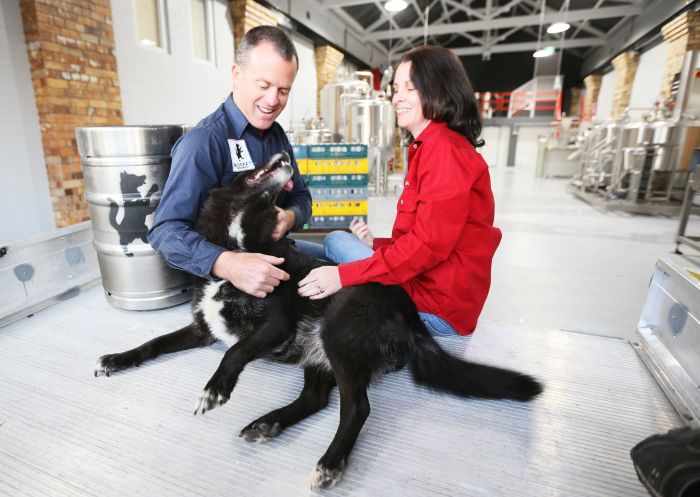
{"x": 240, "y": 157}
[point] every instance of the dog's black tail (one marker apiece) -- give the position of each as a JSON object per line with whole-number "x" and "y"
{"x": 433, "y": 367}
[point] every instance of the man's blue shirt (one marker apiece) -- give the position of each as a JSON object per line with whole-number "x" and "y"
{"x": 202, "y": 161}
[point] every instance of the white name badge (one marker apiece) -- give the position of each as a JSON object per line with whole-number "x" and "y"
{"x": 240, "y": 157}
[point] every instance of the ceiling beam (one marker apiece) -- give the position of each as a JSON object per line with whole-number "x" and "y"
{"x": 506, "y": 8}
{"x": 329, "y": 4}
{"x": 528, "y": 46}
{"x": 510, "y": 22}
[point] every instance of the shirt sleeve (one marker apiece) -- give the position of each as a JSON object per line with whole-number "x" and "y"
{"x": 299, "y": 199}
{"x": 441, "y": 197}
{"x": 197, "y": 167}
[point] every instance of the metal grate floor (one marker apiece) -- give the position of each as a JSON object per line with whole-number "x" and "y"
{"x": 65, "y": 433}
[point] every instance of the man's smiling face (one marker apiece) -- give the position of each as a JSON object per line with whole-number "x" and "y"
{"x": 261, "y": 85}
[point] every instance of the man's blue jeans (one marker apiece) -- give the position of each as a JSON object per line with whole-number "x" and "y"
{"x": 341, "y": 246}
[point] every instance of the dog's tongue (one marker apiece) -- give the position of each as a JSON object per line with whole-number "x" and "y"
{"x": 288, "y": 187}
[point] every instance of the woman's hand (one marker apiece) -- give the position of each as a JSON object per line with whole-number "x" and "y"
{"x": 320, "y": 283}
{"x": 360, "y": 229}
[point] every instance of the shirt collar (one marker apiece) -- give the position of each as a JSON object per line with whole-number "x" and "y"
{"x": 236, "y": 117}
{"x": 429, "y": 131}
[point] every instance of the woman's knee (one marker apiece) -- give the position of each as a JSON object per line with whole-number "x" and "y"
{"x": 341, "y": 247}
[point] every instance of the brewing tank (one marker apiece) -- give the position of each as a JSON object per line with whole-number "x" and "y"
{"x": 370, "y": 121}
{"x": 335, "y": 98}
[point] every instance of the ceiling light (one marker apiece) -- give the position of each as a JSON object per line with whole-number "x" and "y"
{"x": 558, "y": 27}
{"x": 395, "y": 5}
{"x": 544, "y": 52}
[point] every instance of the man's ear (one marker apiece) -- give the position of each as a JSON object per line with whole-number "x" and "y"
{"x": 235, "y": 72}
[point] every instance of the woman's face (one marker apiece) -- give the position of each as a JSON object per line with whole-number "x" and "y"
{"x": 406, "y": 100}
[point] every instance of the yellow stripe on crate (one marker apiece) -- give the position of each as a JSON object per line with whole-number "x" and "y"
{"x": 336, "y": 166}
{"x": 339, "y": 208}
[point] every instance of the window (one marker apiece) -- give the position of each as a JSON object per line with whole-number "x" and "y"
{"x": 201, "y": 22}
{"x": 148, "y": 22}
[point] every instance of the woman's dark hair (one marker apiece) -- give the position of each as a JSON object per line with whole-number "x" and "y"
{"x": 445, "y": 90}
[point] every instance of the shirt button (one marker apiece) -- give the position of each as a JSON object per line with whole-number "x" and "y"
{"x": 415, "y": 145}
{"x": 401, "y": 201}
{"x": 406, "y": 183}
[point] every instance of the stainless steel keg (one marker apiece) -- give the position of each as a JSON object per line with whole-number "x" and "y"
{"x": 125, "y": 169}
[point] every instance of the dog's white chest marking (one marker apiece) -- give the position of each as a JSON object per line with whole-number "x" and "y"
{"x": 235, "y": 230}
{"x": 211, "y": 310}
{"x": 309, "y": 337}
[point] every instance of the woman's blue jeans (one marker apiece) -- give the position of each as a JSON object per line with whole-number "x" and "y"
{"x": 341, "y": 246}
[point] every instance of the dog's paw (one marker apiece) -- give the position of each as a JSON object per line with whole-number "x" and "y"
{"x": 260, "y": 432}
{"x": 208, "y": 400}
{"x": 323, "y": 477}
{"x": 110, "y": 363}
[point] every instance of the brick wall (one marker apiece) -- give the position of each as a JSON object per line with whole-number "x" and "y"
{"x": 247, "y": 15}
{"x": 625, "y": 66}
{"x": 682, "y": 34}
{"x": 328, "y": 60}
{"x": 70, "y": 45}
{"x": 592, "y": 83}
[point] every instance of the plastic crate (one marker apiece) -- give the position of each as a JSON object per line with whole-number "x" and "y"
{"x": 339, "y": 208}
{"x": 347, "y": 193}
{"x": 336, "y": 180}
{"x": 337, "y": 166}
{"x": 340, "y": 150}
{"x": 329, "y": 221}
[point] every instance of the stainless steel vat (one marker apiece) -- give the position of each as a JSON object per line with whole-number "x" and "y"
{"x": 125, "y": 169}
{"x": 665, "y": 133}
{"x": 370, "y": 121}
{"x": 313, "y": 136}
{"x": 334, "y": 100}
{"x": 637, "y": 134}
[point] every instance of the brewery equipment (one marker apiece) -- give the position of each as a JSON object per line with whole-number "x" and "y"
{"x": 355, "y": 113}
{"x": 125, "y": 169}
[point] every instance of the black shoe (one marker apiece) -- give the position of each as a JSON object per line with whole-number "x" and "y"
{"x": 669, "y": 465}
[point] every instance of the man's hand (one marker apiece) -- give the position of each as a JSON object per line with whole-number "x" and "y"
{"x": 255, "y": 274}
{"x": 320, "y": 283}
{"x": 360, "y": 229}
{"x": 285, "y": 222}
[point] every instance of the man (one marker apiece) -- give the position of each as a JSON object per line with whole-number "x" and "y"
{"x": 240, "y": 134}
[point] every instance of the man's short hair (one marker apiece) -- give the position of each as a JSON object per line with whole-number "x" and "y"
{"x": 271, "y": 34}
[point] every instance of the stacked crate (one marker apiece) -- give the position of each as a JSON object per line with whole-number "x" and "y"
{"x": 682, "y": 34}
{"x": 337, "y": 175}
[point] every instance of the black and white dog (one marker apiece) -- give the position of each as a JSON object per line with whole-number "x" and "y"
{"x": 342, "y": 340}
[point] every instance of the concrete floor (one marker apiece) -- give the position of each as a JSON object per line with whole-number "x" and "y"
{"x": 563, "y": 264}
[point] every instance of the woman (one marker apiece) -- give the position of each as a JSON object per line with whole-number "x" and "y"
{"x": 443, "y": 239}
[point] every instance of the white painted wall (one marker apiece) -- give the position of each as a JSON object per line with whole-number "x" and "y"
{"x": 605, "y": 97}
{"x": 25, "y": 205}
{"x": 647, "y": 80}
{"x": 528, "y": 144}
{"x": 170, "y": 86}
{"x": 495, "y": 151}
{"x": 302, "y": 99}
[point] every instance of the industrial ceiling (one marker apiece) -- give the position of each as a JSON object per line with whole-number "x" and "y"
{"x": 485, "y": 27}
